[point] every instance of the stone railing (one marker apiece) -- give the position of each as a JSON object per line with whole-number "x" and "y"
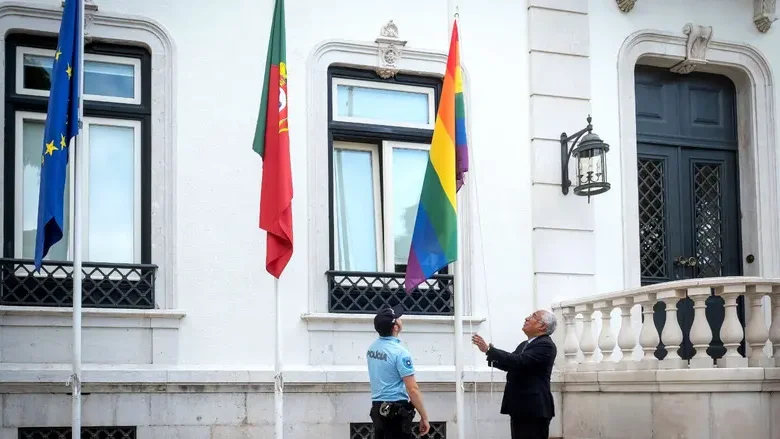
{"x": 720, "y": 322}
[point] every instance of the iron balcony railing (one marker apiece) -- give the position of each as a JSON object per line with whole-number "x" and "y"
{"x": 364, "y": 430}
{"x": 366, "y": 292}
{"x": 104, "y": 285}
{"x": 86, "y": 433}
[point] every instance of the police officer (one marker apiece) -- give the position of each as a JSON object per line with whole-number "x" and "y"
{"x": 394, "y": 391}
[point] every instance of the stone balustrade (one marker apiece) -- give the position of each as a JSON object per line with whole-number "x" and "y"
{"x": 723, "y": 322}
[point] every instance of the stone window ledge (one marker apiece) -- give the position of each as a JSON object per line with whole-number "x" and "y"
{"x": 365, "y": 323}
{"x": 102, "y": 374}
{"x": 126, "y": 378}
{"x": 91, "y": 317}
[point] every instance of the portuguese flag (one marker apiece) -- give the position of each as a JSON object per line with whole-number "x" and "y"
{"x": 272, "y": 142}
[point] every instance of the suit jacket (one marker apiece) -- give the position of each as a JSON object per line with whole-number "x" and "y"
{"x": 528, "y": 369}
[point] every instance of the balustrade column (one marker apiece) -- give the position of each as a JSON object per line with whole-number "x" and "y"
{"x": 587, "y": 343}
{"x": 571, "y": 345}
{"x": 731, "y": 332}
{"x": 756, "y": 332}
{"x": 626, "y": 341}
{"x": 774, "y": 330}
{"x": 701, "y": 333}
{"x": 672, "y": 335}
{"x": 648, "y": 337}
{"x": 606, "y": 338}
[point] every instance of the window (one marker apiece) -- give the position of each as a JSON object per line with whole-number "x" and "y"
{"x": 366, "y": 239}
{"x": 115, "y": 124}
{"x": 380, "y": 133}
{"x": 116, "y": 154}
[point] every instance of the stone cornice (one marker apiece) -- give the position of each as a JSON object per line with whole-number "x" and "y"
{"x": 763, "y": 12}
{"x": 340, "y": 379}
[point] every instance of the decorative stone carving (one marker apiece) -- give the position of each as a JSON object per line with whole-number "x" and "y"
{"x": 699, "y": 38}
{"x": 764, "y": 14}
{"x": 90, "y": 8}
{"x": 626, "y": 5}
{"x": 389, "y": 48}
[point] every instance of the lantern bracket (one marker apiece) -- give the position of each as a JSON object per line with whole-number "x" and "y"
{"x": 566, "y": 153}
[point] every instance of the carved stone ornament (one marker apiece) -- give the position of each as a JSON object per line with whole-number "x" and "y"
{"x": 90, "y": 8}
{"x": 626, "y": 5}
{"x": 764, "y": 14}
{"x": 389, "y": 48}
{"x": 699, "y": 38}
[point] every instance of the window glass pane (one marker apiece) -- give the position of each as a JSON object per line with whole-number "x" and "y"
{"x": 408, "y": 174}
{"x": 37, "y": 72}
{"x": 111, "y": 194}
{"x": 100, "y": 78}
{"x": 109, "y": 79}
{"x": 355, "y": 212}
{"x": 383, "y": 105}
{"x": 32, "y": 141}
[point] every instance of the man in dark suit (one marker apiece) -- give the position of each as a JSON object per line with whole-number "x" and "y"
{"x": 527, "y": 397}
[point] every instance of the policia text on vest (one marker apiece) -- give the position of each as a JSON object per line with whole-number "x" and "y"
{"x": 395, "y": 397}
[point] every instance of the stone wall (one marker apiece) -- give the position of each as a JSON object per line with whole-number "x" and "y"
{"x": 242, "y": 411}
{"x": 645, "y": 415}
{"x": 672, "y": 404}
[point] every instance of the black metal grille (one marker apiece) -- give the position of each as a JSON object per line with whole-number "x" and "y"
{"x": 652, "y": 211}
{"x": 103, "y": 285}
{"x": 366, "y": 431}
{"x": 360, "y": 292}
{"x": 86, "y": 433}
{"x": 708, "y": 219}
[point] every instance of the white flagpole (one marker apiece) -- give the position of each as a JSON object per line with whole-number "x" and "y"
{"x": 452, "y": 9}
{"x": 75, "y": 378}
{"x": 278, "y": 380}
{"x": 459, "y": 286}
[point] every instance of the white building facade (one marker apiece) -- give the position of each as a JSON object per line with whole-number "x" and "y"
{"x": 178, "y": 312}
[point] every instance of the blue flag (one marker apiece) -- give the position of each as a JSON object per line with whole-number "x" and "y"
{"x": 61, "y": 126}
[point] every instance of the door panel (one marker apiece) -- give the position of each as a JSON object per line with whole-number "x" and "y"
{"x": 688, "y": 190}
{"x": 659, "y": 216}
{"x": 688, "y": 210}
{"x": 711, "y": 211}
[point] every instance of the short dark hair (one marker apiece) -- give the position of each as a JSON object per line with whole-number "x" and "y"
{"x": 385, "y": 332}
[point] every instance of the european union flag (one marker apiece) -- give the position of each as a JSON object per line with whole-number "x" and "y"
{"x": 62, "y": 125}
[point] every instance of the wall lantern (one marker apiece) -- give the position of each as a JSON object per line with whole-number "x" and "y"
{"x": 590, "y": 154}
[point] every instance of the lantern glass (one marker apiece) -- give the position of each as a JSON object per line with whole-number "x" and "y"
{"x": 591, "y": 159}
{"x": 590, "y": 167}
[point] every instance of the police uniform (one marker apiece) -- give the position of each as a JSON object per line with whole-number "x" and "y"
{"x": 388, "y": 363}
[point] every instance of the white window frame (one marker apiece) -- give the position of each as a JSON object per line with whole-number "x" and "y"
{"x": 387, "y": 185}
{"x": 376, "y": 176}
{"x": 429, "y": 91}
{"x": 21, "y": 51}
{"x": 383, "y": 199}
{"x": 20, "y": 117}
{"x": 137, "y": 135}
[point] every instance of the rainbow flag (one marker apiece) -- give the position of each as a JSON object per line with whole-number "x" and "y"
{"x": 435, "y": 236}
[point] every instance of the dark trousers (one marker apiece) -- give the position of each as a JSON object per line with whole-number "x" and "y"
{"x": 530, "y": 428}
{"x": 396, "y": 427}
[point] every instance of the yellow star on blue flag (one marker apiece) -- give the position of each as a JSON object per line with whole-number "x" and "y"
{"x": 61, "y": 126}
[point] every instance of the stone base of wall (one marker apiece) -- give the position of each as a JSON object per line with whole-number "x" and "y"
{"x": 640, "y": 415}
{"x": 205, "y": 412}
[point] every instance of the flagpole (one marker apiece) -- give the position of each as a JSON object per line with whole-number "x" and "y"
{"x": 452, "y": 9}
{"x": 75, "y": 378}
{"x": 278, "y": 380}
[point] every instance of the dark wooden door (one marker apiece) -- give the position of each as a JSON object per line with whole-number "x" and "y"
{"x": 688, "y": 188}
